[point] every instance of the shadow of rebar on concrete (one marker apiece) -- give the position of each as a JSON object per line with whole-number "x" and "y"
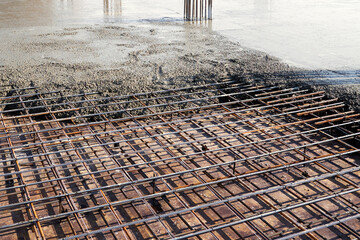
{"x": 197, "y": 10}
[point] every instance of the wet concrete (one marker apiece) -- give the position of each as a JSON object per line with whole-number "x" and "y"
{"x": 320, "y": 34}
{"x": 126, "y": 57}
{"x": 117, "y": 47}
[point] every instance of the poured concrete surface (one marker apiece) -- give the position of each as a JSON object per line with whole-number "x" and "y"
{"x": 312, "y": 34}
{"x": 122, "y": 58}
{"x": 125, "y": 46}
{"x": 320, "y": 34}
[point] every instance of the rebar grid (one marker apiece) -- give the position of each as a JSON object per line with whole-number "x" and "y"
{"x": 223, "y": 160}
{"x": 198, "y": 10}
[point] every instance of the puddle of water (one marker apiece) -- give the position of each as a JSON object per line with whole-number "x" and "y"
{"x": 307, "y": 33}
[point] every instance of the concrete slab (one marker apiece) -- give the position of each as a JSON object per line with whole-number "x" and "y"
{"x": 320, "y": 34}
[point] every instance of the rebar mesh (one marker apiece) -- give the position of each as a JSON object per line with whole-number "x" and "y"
{"x": 220, "y": 161}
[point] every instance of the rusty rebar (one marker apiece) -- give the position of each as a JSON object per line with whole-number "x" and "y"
{"x": 149, "y": 161}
